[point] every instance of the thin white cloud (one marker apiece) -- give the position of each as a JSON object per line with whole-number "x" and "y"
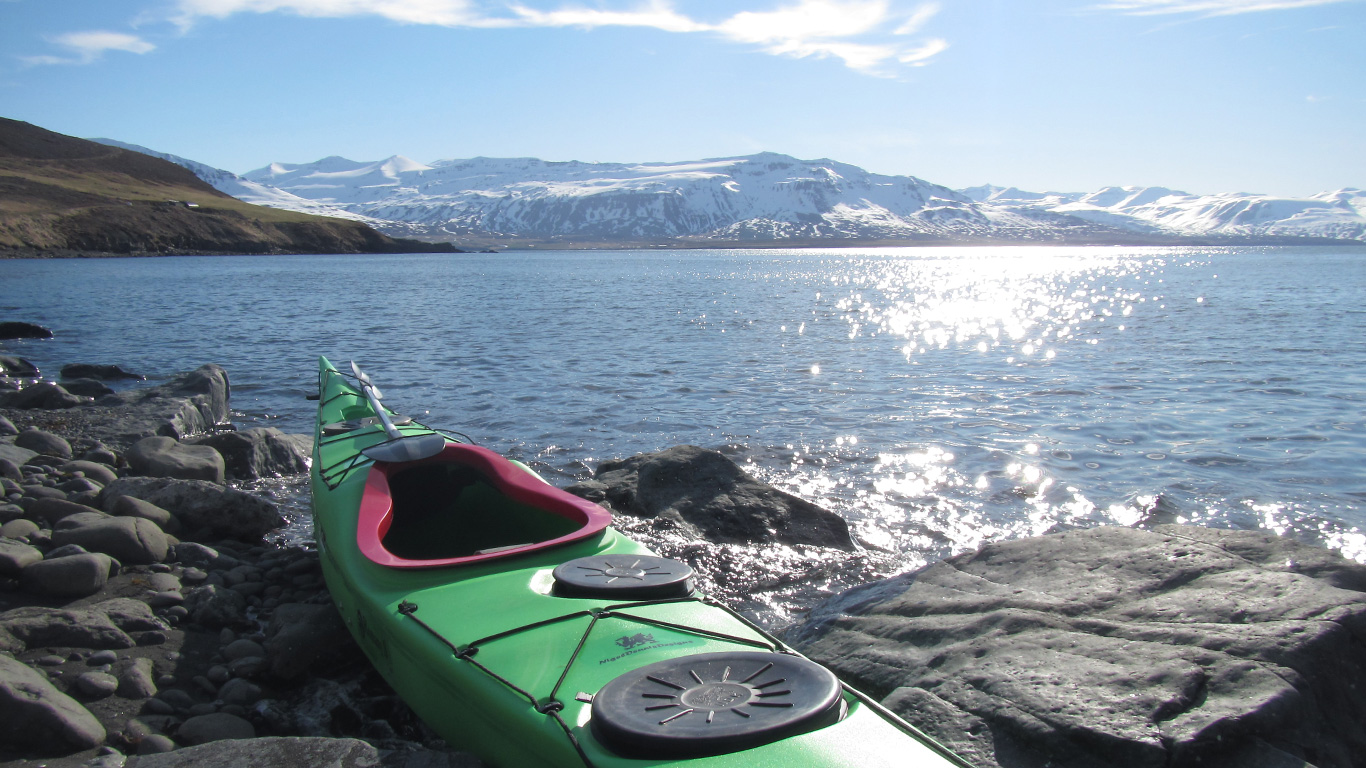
{"x": 657, "y": 15}
{"x": 87, "y": 47}
{"x": 853, "y": 31}
{"x": 1208, "y": 7}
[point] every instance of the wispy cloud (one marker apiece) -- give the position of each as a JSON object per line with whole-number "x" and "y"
{"x": 853, "y": 31}
{"x": 1208, "y": 7}
{"x": 87, "y": 47}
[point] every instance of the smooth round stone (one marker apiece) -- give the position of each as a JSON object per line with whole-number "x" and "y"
{"x": 155, "y": 744}
{"x": 97, "y": 685}
{"x": 218, "y": 674}
{"x": 99, "y": 658}
{"x": 165, "y": 599}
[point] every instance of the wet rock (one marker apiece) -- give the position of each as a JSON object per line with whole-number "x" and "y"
{"x": 101, "y": 372}
{"x": 708, "y": 492}
{"x": 202, "y": 729}
{"x": 15, "y": 556}
{"x": 44, "y": 443}
{"x": 191, "y": 403}
{"x": 307, "y": 638}
{"x": 225, "y": 513}
{"x": 260, "y": 452}
{"x": 13, "y": 329}
{"x": 167, "y": 457}
{"x": 130, "y": 540}
{"x": 43, "y": 395}
{"x": 39, "y": 717}
{"x": 1115, "y": 647}
{"x": 71, "y": 576}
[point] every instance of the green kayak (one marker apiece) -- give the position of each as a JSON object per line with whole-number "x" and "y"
{"x": 522, "y": 627}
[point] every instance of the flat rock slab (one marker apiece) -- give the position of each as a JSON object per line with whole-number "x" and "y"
{"x": 189, "y": 403}
{"x": 1116, "y": 647}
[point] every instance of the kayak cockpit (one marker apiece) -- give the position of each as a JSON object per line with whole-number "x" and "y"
{"x": 465, "y": 505}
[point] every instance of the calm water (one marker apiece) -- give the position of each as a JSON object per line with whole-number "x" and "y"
{"x": 938, "y": 398}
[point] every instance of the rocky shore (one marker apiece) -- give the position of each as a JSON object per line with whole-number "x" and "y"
{"x": 144, "y": 622}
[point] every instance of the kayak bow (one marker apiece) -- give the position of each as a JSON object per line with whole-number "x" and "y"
{"x": 519, "y": 625}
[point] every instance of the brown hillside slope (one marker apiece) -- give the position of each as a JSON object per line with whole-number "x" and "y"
{"x": 61, "y": 195}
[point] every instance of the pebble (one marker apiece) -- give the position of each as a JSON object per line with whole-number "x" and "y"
{"x": 99, "y": 658}
{"x": 97, "y": 685}
{"x": 155, "y": 744}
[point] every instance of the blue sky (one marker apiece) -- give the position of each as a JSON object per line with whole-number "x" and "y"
{"x": 1066, "y": 95}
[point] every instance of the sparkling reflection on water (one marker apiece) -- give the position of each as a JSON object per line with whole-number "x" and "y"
{"x": 937, "y": 398}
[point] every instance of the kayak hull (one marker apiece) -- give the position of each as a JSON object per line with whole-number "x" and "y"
{"x": 500, "y": 659}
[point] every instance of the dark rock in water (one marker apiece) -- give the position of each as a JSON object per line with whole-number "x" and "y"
{"x": 260, "y": 452}
{"x": 226, "y": 513}
{"x": 44, "y": 443}
{"x": 1115, "y": 647}
{"x": 100, "y": 372}
{"x": 709, "y": 492}
{"x": 17, "y": 330}
{"x": 71, "y": 576}
{"x": 17, "y": 367}
{"x": 167, "y": 457}
{"x": 44, "y": 395}
{"x": 87, "y": 388}
{"x": 304, "y": 639}
{"x": 39, "y": 717}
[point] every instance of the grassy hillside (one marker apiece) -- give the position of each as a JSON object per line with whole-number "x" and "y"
{"x": 61, "y": 195}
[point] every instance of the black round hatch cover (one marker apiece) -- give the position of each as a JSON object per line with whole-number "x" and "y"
{"x": 623, "y": 577}
{"x": 713, "y": 703}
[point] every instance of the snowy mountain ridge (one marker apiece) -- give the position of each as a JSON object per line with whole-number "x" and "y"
{"x": 758, "y": 199}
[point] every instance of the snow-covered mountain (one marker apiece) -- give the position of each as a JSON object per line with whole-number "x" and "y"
{"x": 242, "y": 189}
{"x": 762, "y": 198}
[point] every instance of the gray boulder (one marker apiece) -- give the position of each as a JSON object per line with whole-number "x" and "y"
{"x": 52, "y": 511}
{"x": 130, "y": 540}
{"x": 15, "y": 556}
{"x": 103, "y": 625}
{"x": 19, "y": 528}
{"x": 44, "y": 395}
{"x": 260, "y": 452}
{"x": 43, "y": 442}
{"x": 127, "y": 506}
{"x": 17, "y": 367}
{"x": 71, "y": 576}
{"x": 196, "y": 402}
{"x": 222, "y": 513}
{"x": 100, "y": 473}
{"x": 1115, "y": 647}
{"x": 167, "y": 457}
{"x": 39, "y": 717}
{"x": 712, "y": 494}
